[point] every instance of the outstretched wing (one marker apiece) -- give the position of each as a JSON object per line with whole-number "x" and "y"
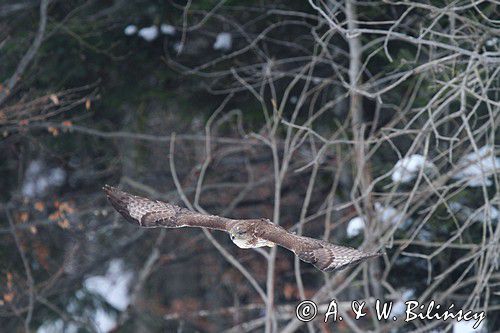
{"x": 323, "y": 255}
{"x": 154, "y": 213}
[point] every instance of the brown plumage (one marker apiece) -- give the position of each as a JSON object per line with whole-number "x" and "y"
{"x": 244, "y": 233}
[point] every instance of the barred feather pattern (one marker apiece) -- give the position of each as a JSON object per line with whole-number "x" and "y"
{"x": 143, "y": 212}
{"x": 253, "y": 233}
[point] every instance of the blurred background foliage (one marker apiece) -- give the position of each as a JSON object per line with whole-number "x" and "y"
{"x": 97, "y": 106}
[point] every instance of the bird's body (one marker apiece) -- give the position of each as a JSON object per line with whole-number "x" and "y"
{"x": 252, "y": 243}
{"x": 244, "y": 233}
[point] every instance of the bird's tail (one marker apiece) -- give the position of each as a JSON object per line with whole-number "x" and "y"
{"x": 331, "y": 257}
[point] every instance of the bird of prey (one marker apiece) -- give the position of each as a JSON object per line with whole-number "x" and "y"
{"x": 245, "y": 234}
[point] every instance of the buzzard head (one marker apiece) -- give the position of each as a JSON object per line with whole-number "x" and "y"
{"x": 241, "y": 236}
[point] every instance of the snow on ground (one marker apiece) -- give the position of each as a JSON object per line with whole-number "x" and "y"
{"x": 467, "y": 327}
{"x": 57, "y": 326}
{"x": 399, "y": 307}
{"x": 167, "y": 29}
{"x": 38, "y": 179}
{"x": 130, "y": 30}
{"x": 223, "y": 41}
{"x": 113, "y": 286}
{"x": 477, "y": 167}
{"x": 149, "y": 34}
{"x": 408, "y": 168}
{"x": 104, "y": 321}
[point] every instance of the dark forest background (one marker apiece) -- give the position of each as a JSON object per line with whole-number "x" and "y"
{"x": 371, "y": 124}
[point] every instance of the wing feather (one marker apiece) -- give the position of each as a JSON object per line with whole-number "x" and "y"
{"x": 154, "y": 213}
{"x": 323, "y": 255}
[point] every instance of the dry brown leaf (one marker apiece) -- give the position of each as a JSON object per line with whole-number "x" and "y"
{"x": 64, "y": 207}
{"x": 54, "y": 131}
{"x": 87, "y": 104}
{"x": 42, "y": 254}
{"x": 8, "y": 297}
{"x": 64, "y": 224}
{"x": 54, "y": 216}
{"x": 39, "y": 206}
{"x": 9, "y": 280}
{"x": 23, "y": 217}
{"x": 289, "y": 291}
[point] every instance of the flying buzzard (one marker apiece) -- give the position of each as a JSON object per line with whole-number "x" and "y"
{"x": 244, "y": 233}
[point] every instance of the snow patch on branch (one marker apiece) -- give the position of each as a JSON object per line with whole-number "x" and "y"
{"x": 477, "y": 167}
{"x": 481, "y": 214}
{"x": 492, "y": 41}
{"x": 130, "y": 30}
{"x": 408, "y": 168}
{"x": 149, "y": 34}
{"x": 167, "y": 29}
{"x": 355, "y": 226}
{"x": 223, "y": 42}
{"x": 387, "y": 215}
